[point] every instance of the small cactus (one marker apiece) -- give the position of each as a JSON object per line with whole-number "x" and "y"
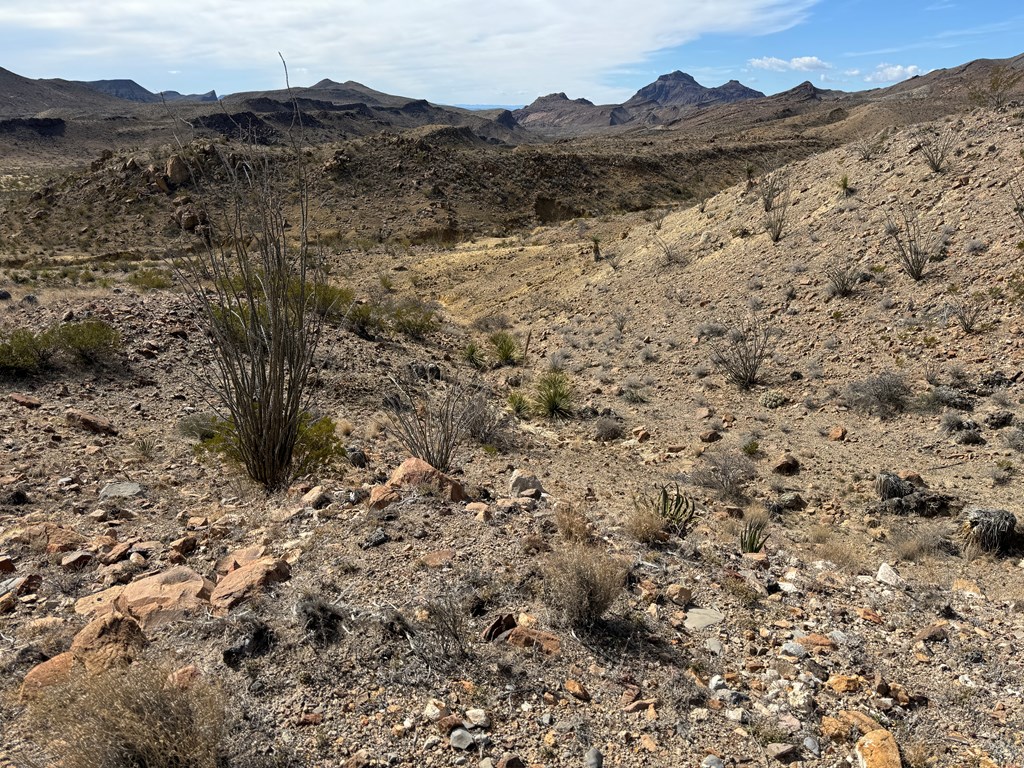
{"x": 772, "y": 399}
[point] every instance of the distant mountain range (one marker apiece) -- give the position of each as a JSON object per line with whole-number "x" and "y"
{"x": 336, "y": 110}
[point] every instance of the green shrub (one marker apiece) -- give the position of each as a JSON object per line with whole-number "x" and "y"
{"x": 151, "y": 279}
{"x": 365, "y": 319}
{"x": 22, "y": 352}
{"x": 413, "y": 317}
{"x": 332, "y": 302}
{"x": 676, "y": 510}
{"x": 518, "y": 404}
{"x": 553, "y": 395}
{"x": 90, "y": 341}
{"x": 317, "y": 444}
{"x": 506, "y": 348}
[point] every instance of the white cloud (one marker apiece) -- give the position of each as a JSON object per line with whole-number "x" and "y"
{"x": 797, "y": 64}
{"x": 892, "y": 73}
{"x": 440, "y": 49}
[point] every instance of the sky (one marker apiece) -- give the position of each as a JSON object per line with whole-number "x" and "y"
{"x": 510, "y": 52}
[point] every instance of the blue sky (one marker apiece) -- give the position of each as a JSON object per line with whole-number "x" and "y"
{"x": 469, "y": 52}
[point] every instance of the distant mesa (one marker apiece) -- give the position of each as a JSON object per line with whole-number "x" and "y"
{"x": 129, "y": 90}
{"x": 678, "y": 89}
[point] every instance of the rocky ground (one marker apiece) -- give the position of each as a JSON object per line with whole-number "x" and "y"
{"x": 381, "y": 615}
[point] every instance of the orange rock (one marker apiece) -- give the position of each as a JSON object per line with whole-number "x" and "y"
{"x": 417, "y": 473}
{"x": 237, "y": 559}
{"x": 438, "y": 558}
{"x": 869, "y": 615}
{"x": 110, "y": 641}
{"x": 381, "y": 496}
{"x": 845, "y": 684}
{"x": 577, "y": 690}
{"x": 55, "y": 671}
{"x": 525, "y": 637}
{"x": 244, "y": 582}
{"x": 837, "y": 434}
{"x": 154, "y": 600}
{"x": 184, "y": 678}
{"x": 815, "y": 640}
{"x": 863, "y": 723}
{"x": 90, "y": 422}
{"x": 878, "y": 749}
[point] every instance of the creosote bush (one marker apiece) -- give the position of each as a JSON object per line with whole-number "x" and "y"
{"x": 89, "y": 343}
{"x": 743, "y": 351}
{"x": 936, "y": 148}
{"x": 580, "y": 584}
{"x": 131, "y": 717}
{"x": 884, "y": 395}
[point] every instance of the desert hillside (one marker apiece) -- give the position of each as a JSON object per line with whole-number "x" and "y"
{"x": 734, "y": 485}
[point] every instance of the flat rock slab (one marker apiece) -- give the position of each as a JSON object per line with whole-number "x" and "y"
{"x": 242, "y": 583}
{"x": 90, "y": 422}
{"x": 154, "y": 600}
{"x": 121, "y": 491}
{"x": 701, "y": 618}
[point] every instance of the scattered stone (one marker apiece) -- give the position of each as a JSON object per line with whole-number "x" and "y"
{"x": 383, "y": 496}
{"x": 25, "y": 401}
{"x": 477, "y": 718}
{"x": 375, "y": 539}
{"x": 110, "y": 641}
{"x": 710, "y": 436}
{"x": 712, "y": 761}
{"x": 316, "y": 497}
{"x": 435, "y": 710}
{"x": 245, "y": 582}
{"x": 6, "y": 565}
{"x": 796, "y": 650}
{"x": 593, "y": 758}
{"x": 887, "y": 575}
{"x": 154, "y": 600}
{"x": 257, "y": 641}
{"x": 15, "y": 498}
{"x": 90, "y": 422}
{"x": 845, "y": 684}
{"x": 780, "y": 751}
{"x": 522, "y": 482}
{"x": 837, "y": 434}
{"x": 76, "y": 561}
{"x": 878, "y": 749}
{"x": 679, "y": 594}
{"x": 498, "y": 627}
{"x": 438, "y": 559}
{"x": 525, "y": 637}
{"x": 417, "y": 473}
{"x": 460, "y": 738}
{"x": 787, "y": 464}
{"x": 509, "y": 760}
{"x": 701, "y": 618}
{"x": 55, "y": 671}
{"x": 577, "y": 690}
{"x": 121, "y": 491}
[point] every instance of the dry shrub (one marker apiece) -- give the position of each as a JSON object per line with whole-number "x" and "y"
{"x": 581, "y": 583}
{"x": 726, "y": 473}
{"x": 572, "y": 524}
{"x": 916, "y": 544}
{"x": 131, "y": 717}
{"x": 645, "y": 524}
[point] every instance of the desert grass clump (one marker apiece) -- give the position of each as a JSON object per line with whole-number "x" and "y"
{"x": 775, "y": 219}
{"x": 505, "y": 347}
{"x": 151, "y": 279}
{"x": 607, "y": 429}
{"x": 553, "y": 395}
{"x": 485, "y": 423}
{"x": 867, "y": 147}
{"x": 741, "y": 354}
{"x": 431, "y": 422}
{"x": 580, "y": 584}
{"x": 987, "y": 530}
{"x": 914, "y": 545}
{"x": 413, "y": 317}
{"x": 1017, "y": 202}
{"x": 136, "y": 716}
{"x": 572, "y": 524}
{"x": 884, "y": 395}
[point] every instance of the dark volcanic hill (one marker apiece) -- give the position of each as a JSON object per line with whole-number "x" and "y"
{"x": 678, "y": 89}
{"x": 129, "y": 90}
{"x": 660, "y": 102}
{"x": 23, "y": 97}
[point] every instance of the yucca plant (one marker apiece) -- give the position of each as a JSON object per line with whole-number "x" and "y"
{"x": 506, "y": 348}
{"x": 553, "y": 396}
{"x": 753, "y": 536}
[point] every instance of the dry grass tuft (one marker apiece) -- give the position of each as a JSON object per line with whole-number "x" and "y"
{"x": 581, "y": 583}
{"x": 131, "y": 717}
